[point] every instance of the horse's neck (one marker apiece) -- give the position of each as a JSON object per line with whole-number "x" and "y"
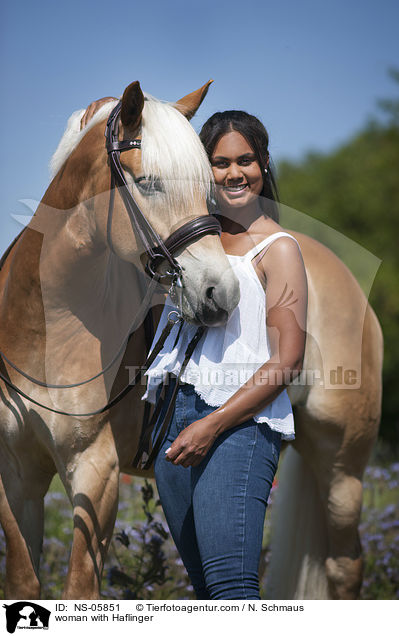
{"x": 76, "y": 296}
{"x": 88, "y": 295}
{"x": 82, "y": 281}
{"x": 94, "y": 319}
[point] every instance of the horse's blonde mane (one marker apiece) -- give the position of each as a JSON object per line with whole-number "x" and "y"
{"x": 171, "y": 150}
{"x": 73, "y": 135}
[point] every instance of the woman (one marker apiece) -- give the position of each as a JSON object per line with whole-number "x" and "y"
{"x": 216, "y": 466}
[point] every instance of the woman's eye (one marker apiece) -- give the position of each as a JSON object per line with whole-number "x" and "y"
{"x": 149, "y": 186}
{"x": 220, "y": 164}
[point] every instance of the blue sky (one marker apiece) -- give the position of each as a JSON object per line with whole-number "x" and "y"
{"x": 311, "y": 70}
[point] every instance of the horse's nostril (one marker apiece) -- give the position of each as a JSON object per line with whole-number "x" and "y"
{"x": 209, "y": 292}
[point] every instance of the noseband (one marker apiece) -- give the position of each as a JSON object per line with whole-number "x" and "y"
{"x": 156, "y": 249}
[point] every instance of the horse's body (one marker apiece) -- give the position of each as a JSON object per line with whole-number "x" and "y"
{"x": 66, "y": 302}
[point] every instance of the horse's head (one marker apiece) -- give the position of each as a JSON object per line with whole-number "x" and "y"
{"x": 170, "y": 177}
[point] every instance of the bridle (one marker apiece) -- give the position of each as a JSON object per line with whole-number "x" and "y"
{"x": 156, "y": 250}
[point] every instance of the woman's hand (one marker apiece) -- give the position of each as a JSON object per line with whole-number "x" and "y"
{"x": 192, "y": 444}
{"x": 92, "y": 109}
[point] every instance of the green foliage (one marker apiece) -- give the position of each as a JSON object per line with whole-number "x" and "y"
{"x": 355, "y": 190}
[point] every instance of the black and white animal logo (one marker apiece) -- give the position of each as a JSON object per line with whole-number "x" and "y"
{"x": 27, "y": 615}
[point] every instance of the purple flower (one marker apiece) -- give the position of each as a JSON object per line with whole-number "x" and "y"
{"x": 388, "y": 511}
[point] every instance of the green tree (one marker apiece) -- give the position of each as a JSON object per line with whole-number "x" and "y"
{"x": 355, "y": 189}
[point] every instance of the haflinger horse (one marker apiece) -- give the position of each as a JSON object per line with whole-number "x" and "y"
{"x": 74, "y": 284}
{"x": 71, "y": 291}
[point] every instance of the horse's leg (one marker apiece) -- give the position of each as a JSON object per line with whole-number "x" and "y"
{"x": 299, "y": 535}
{"x": 348, "y": 428}
{"x": 344, "y": 563}
{"x": 316, "y": 551}
{"x": 22, "y": 491}
{"x": 337, "y": 452}
{"x": 93, "y": 488}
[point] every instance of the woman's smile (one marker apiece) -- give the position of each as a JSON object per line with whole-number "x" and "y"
{"x": 238, "y": 176}
{"x": 236, "y": 190}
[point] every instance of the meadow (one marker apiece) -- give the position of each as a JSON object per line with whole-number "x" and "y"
{"x": 143, "y": 562}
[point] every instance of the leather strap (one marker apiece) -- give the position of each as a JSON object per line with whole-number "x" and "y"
{"x": 149, "y": 337}
{"x": 187, "y": 233}
{"x": 192, "y": 230}
{"x": 142, "y": 459}
{"x": 148, "y": 236}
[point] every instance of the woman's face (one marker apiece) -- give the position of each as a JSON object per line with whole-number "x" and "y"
{"x": 238, "y": 176}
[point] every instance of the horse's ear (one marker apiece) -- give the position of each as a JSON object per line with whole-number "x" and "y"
{"x": 132, "y": 105}
{"x": 189, "y": 104}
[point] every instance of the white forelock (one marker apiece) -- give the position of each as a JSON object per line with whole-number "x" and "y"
{"x": 171, "y": 150}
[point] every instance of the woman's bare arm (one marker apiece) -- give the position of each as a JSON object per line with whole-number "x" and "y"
{"x": 286, "y": 327}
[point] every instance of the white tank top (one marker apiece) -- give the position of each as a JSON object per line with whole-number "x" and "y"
{"x": 228, "y": 356}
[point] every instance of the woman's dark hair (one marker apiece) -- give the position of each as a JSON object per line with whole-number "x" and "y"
{"x": 256, "y": 135}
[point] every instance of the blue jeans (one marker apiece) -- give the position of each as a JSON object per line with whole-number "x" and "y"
{"x": 216, "y": 510}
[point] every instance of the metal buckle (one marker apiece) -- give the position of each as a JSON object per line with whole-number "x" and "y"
{"x": 178, "y": 318}
{"x": 151, "y": 269}
{"x": 152, "y": 272}
{"x": 176, "y": 289}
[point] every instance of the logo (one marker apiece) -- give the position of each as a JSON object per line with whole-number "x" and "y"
{"x": 28, "y": 615}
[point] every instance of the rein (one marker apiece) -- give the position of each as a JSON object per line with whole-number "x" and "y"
{"x": 121, "y": 394}
{"x": 139, "y": 317}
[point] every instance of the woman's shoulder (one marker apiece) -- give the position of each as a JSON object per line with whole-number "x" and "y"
{"x": 282, "y": 256}
{"x": 272, "y": 229}
{"x": 257, "y": 239}
{"x": 274, "y": 235}
{"x": 277, "y": 247}
{"x": 269, "y": 229}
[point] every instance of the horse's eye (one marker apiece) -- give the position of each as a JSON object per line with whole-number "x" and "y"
{"x": 149, "y": 185}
